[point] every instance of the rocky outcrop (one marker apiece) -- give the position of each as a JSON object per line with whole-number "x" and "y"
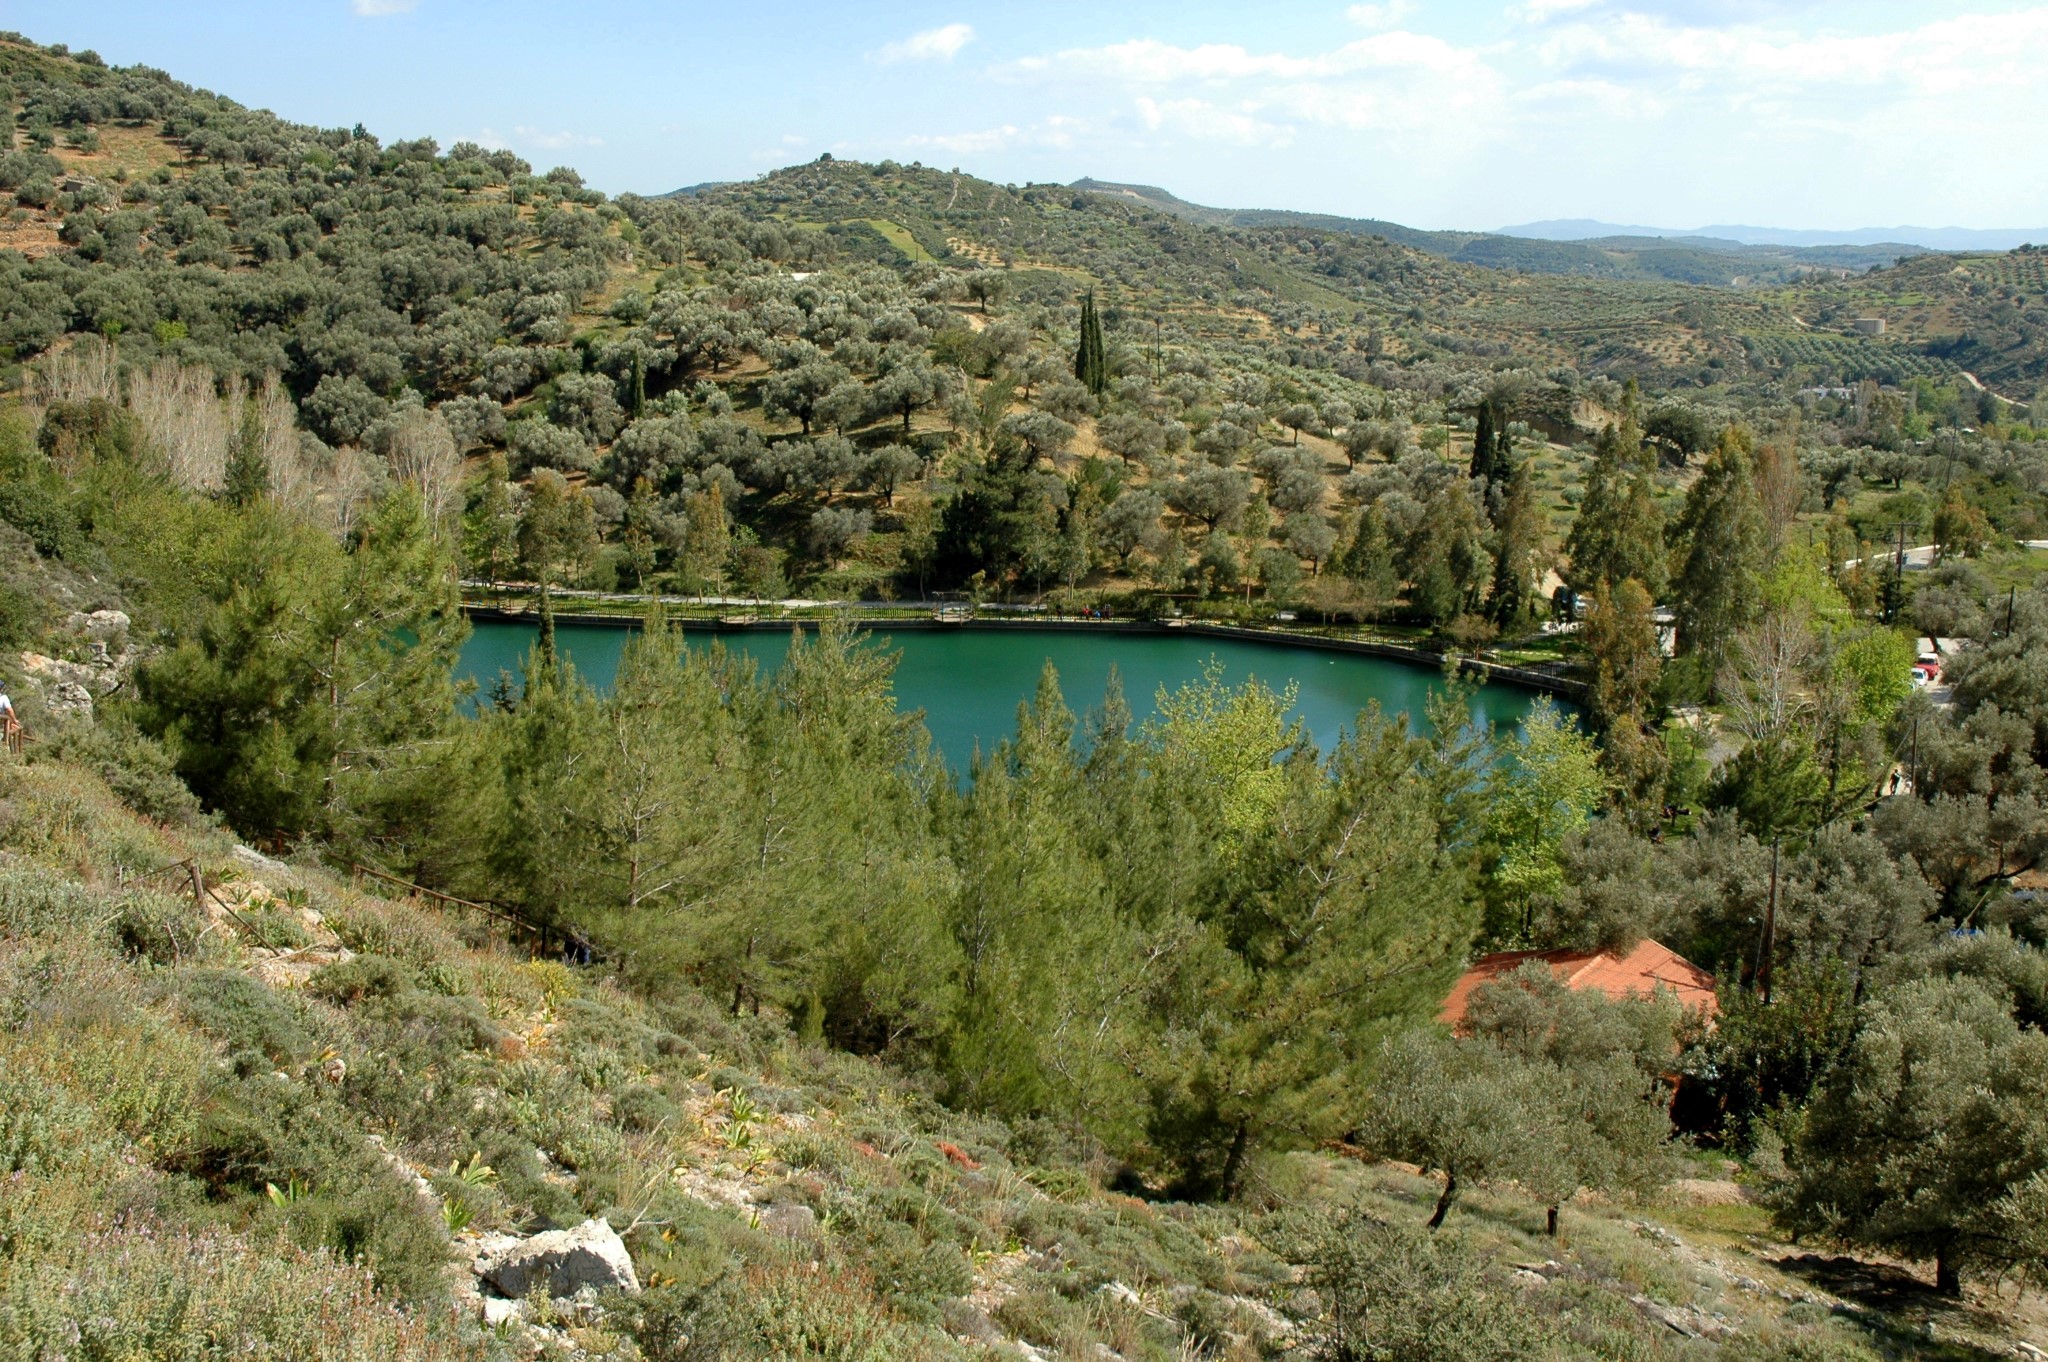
{"x": 99, "y": 662}
{"x": 562, "y": 1262}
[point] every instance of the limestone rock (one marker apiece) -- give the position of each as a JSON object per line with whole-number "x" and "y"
{"x": 1117, "y": 1291}
{"x": 55, "y": 671}
{"x": 106, "y": 627}
{"x": 790, "y": 1220}
{"x": 67, "y": 699}
{"x": 562, "y": 1262}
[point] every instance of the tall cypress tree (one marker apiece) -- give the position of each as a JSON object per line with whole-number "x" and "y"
{"x": 1091, "y": 364}
{"x": 1482, "y": 442}
{"x": 541, "y": 671}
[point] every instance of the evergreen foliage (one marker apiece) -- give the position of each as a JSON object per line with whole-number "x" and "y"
{"x": 1091, "y": 362}
{"x": 1185, "y": 951}
{"x": 1619, "y": 530}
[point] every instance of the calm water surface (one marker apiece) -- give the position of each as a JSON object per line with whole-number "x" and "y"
{"x": 969, "y": 682}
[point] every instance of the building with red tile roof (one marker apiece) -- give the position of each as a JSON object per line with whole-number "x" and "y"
{"x": 1637, "y": 972}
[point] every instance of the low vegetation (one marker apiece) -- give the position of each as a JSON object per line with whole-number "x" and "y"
{"x": 1129, "y": 1039}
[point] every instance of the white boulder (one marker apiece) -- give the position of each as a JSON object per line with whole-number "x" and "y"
{"x": 562, "y": 1262}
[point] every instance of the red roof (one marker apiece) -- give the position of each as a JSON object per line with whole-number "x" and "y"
{"x": 1638, "y": 972}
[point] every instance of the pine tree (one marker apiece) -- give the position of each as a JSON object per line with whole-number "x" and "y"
{"x": 248, "y": 473}
{"x": 1619, "y": 532}
{"x": 1622, "y": 654}
{"x": 1447, "y": 562}
{"x": 1336, "y": 920}
{"x": 707, "y": 540}
{"x": 1721, "y": 532}
{"x": 1518, "y": 552}
{"x": 1368, "y": 561}
{"x": 491, "y": 538}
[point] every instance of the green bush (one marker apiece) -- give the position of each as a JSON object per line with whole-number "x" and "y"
{"x": 802, "y": 1317}
{"x": 43, "y": 1128}
{"x": 244, "y": 1015}
{"x": 275, "y": 928}
{"x": 333, "y": 1192}
{"x": 1818, "y": 1344}
{"x": 431, "y": 1029}
{"x": 523, "y": 1179}
{"x": 366, "y": 976}
{"x": 153, "y": 927}
{"x": 640, "y": 1108}
{"x": 1394, "y": 1294}
{"x": 135, "y": 766}
{"x": 35, "y": 902}
{"x": 39, "y": 512}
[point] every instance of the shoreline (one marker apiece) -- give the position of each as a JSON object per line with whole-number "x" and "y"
{"x": 1564, "y": 687}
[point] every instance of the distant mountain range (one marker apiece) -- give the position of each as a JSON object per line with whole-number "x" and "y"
{"x": 1928, "y": 238}
{"x": 1601, "y": 251}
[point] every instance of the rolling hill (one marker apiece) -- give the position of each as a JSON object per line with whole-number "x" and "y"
{"x": 1707, "y": 257}
{"x": 1897, "y": 239}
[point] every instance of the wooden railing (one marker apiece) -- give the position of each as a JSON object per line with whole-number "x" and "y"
{"x": 541, "y": 936}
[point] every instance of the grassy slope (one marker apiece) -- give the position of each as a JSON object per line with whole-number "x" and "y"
{"x": 161, "y": 1066}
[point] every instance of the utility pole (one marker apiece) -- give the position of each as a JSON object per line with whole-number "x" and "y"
{"x": 2012, "y": 598}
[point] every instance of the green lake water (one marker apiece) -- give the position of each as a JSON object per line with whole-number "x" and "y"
{"x": 969, "y": 682}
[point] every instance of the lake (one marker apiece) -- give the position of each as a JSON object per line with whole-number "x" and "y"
{"x": 969, "y": 681}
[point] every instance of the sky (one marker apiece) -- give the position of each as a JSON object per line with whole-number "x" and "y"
{"x": 1436, "y": 113}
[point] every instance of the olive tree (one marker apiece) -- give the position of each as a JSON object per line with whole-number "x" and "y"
{"x": 1928, "y": 1141}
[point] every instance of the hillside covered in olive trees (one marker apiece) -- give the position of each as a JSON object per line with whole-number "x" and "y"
{"x": 776, "y": 387}
{"x": 1127, "y": 1040}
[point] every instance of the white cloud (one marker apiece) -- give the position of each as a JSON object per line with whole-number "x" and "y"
{"x": 1686, "y": 110}
{"x": 1695, "y": 13}
{"x": 1946, "y": 57}
{"x": 379, "y": 9}
{"x": 1209, "y": 122}
{"x": 1543, "y": 11}
{"x": 536, "y": 139}
{"x": 933, "y": 44}
{"x": 1056, "y": 132}
{"x": 1383, "y": 15}
{"x": 1431, "y": 92}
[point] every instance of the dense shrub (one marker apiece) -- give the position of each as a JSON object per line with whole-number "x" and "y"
{"x": 136, "y": 767}
{"x": 365, "y": 976}
{"x": 244, "y": 1015}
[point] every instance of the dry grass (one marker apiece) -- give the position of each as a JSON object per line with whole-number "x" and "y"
{"x": 127, "y": 150}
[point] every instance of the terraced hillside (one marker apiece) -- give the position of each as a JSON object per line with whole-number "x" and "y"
{"x": 1688, "y": 260}
{"x": 1987, "y": 314}
{"x": 1331, "y": 289}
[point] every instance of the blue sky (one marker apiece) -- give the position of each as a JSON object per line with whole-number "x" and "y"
{"x": 1437, "y": 114}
